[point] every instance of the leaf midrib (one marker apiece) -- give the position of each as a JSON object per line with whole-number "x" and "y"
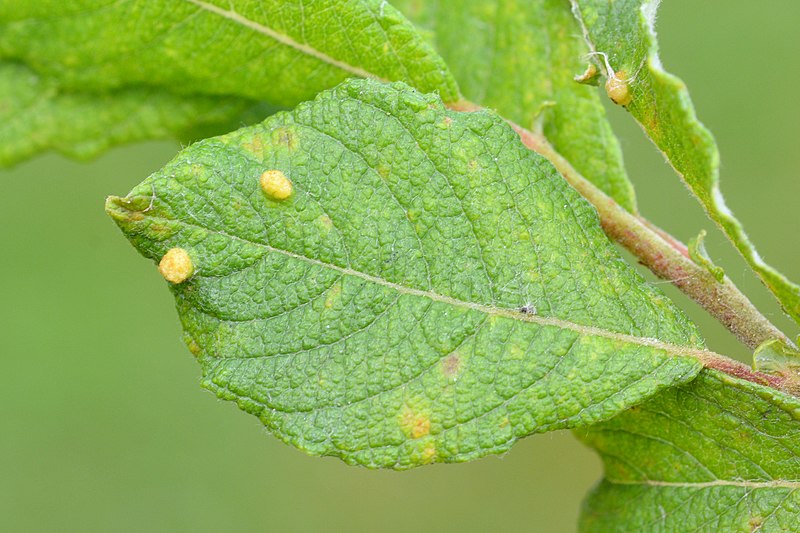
{"x": 284, "y": 39}
{"x": 671, "y": 349}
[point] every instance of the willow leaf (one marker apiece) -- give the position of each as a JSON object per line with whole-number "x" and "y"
{"x": 422, "y": 288}
{"x": 520, "y": 58}
{"x": 277, "y": 51}
{"x": 35, "y": 115}
{"x": 717, "y": 454}
{"x": 623, "y": 34}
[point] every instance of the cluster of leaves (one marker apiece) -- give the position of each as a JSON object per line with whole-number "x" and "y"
{"x": 430, "y": 290}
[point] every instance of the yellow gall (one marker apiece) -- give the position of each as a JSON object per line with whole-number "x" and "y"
{"x": 618, "y": 89}
{"x": 176, "y": 265}
{"x": 276, "y": 185}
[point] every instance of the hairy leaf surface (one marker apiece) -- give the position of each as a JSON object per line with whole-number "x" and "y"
{"x": 624, "y": 32}
{"x": 277, "y": 51}
{"x": 430, "y": 291}
{"x": 717, "y": 454}
{"x": 35, "y": 115}
{"x": 113, "y": 72}
{"x": 520, "y": 58}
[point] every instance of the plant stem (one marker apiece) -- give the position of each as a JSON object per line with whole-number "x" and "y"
{"x": 665, "y": 256}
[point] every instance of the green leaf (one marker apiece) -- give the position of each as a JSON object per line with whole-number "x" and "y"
{"x": 520, "y": 58}
{"x": 624, "y": 32}
{"x": 697, "y": 251}
{"x": 36, "y": 116}
{"x": 431, "y": 290}
{"x": 277, "y": 51}
{"x": 717, "y": 454}
{"x": 776, "y": 357}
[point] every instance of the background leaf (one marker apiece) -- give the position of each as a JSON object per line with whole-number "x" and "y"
{"x": 279, "y": 51}
{"x": 520, "y": 58}
{"x": 111, "y": 72}
{"x": 36, "y": 116}
{"x": 431, "y": 291}
{"x": 717, "y": 454}
{"x": 624, "y": 31}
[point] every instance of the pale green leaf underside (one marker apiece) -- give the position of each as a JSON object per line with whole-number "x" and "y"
{"x": 36, "y": 116}
{"x": 520, "y": 57}
{"x": 717, "y": 454}
{"x": 277, "y": 51}
{"x": 623, "y": 30}
{"x": 376, "y": 315}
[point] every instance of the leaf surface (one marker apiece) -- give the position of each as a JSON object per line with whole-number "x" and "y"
{"x": 277, "y": 51}
{"x": 431, "y": 290}
{"x": 624, "y": 32}
{"x": 520, "y": 58}
{"x": 112, "y": 72}
{"x": 717, "y": 454}
{"x": 35, "y": 115}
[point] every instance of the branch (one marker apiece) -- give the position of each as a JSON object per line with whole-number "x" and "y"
{"x": 665, "y": 256}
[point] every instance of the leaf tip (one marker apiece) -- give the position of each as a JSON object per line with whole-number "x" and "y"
{"x": 124, "y": 209}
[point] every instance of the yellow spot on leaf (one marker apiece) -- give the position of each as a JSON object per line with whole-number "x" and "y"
{"x": 414, "y": 424}
{"x": 504, "y": 422}
{"x": 589, "y": 76}
{"x": 325, "y": 223}
{"x": 276, "y": 185}
{"x": 285, "y": 137}
{"x": 428, "y": 453}
{"x": 755, "y": 523}
{"x": 255, "y": 147}
{"x": 193, "y": 346}
{"x": 618, "y": 89}
{"x": 516, "y": 352}
{"x": 176, "y": 265}
{"x": 451, "y": 365}
{"x": 333, "y": 295}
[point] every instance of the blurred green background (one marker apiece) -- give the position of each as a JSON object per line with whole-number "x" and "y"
{"x": 105, "y": 428}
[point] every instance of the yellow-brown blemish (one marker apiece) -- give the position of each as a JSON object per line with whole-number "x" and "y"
{"x": 414, "y": 424}
{"x": 428, "y": 453}
{"x": 383, "y": 171}
{"x": 472, "y": 165}
{"x": 193, "y": 346}
{"x": 325, "y": 222}
{"x": 255, "y": 147}
{"x": 333, "y": 295}
{"x": 618, "y": 89}
{"x": 276, "y": 185}
{"x": 451, "y": 365}
{"x": 504, "y": 422}
{"x": 515, "y": 352}
{"x": 589, "y": 76}
{"x": 285, "y": 137}
{"x": 176, "y": 265}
